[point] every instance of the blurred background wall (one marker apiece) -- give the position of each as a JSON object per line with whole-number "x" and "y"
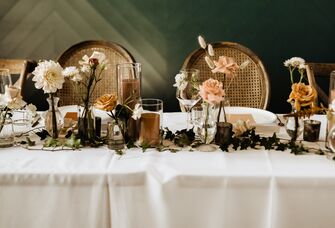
{"x": 161, "y": 33}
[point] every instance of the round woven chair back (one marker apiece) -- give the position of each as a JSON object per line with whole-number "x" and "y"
{"x": 249, "y": 88}
{"x": 115, "y": 54}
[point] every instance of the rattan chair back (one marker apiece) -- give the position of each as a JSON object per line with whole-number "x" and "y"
{"x": 115, "y": 54}
{"x": 250, "y": 86}
{"x": 320, "y": 71}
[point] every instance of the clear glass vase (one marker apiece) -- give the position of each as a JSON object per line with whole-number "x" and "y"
{"x": 294, "y": 127}
{"x": 206, "y": 129}
{"x": 53, "y": 119}
{"x": 6, "y": 132}
{"x": 86, "y": 126}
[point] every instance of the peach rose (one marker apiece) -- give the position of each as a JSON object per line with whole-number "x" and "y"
{"x": 225, "y": 65}
{"x": 106, "y": 102}
{"x": 211, "y": 91}
{"x": 302, "y": 95}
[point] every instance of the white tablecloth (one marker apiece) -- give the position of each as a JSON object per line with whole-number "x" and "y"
{"x": 94, "y": 188}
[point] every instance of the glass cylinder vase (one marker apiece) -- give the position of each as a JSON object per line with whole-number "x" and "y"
{"x": 129, "y": 91}
{"x": 86, "y": 127}
{"x": 53, "y": 118}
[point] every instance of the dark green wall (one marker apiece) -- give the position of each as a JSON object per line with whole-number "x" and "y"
{"x": 161, "y": 33}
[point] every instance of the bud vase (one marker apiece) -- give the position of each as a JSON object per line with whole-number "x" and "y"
{"x": 53, "y": 118}
{"x": 86, "y": 128}
{"x": 207, "y": 128}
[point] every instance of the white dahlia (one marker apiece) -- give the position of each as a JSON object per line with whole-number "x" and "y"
{"x": 48, "y": 76}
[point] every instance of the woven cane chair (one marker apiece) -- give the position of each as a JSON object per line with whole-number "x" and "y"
{"x": 250, "y": 86}
{"x": 320, "y": 74}
{"x": 115, "y": 54}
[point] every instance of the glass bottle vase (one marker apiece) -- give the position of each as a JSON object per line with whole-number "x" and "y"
{"x": 86, "y": 127}
{"x": 53, "y": 118}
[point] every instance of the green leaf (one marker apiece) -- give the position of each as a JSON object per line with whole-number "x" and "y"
{"x": 30, "y": 143}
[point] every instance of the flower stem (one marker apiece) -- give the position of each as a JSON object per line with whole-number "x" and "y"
{"x": 206, "y": 123}
{"x": 54, "y": 122}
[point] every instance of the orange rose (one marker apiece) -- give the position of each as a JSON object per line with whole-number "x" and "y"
{"x": 211, "y": 91}
{"x": 225, "y": 65}
{"x": 106, "y": 102}
{"x": 302, "y": 95}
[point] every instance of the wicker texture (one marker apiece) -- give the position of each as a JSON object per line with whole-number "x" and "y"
{"x": 321, "y": 71}
{"x": 114, "y": 53}
{"x": 250, "y": 86}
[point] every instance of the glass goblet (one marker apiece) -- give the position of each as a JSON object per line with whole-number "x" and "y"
{"x": 189, "y": 95}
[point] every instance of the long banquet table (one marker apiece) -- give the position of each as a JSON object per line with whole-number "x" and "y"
{"x": 95, "y": 188}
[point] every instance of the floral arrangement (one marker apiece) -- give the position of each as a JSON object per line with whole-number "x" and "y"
{"x": 224, "y": 65}
{"x": 11, "y": 100}
{"x": 302, "y": 96}
{"x": 120, "y": 113}
{"x": 48, "y": 76}
{"x": 85, "y": 80}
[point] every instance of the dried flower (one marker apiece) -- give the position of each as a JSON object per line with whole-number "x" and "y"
{"x": 202, "y": 42}
{"x": 212, "y": 91}
{"x": 210, "y": 50}
{"x": 48, "y": 76}
{"x": 244, "y": 64}
{"x": 225, "y": 65}
{"x": 209, "y": 62}
{"x": 302, "y": 95}
{"x": 106, "y": 102}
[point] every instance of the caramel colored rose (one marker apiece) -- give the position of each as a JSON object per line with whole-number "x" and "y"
{"x": 302, "y": 95}
{"x": 106, "y": 102}
{"x": 211, "y": 91}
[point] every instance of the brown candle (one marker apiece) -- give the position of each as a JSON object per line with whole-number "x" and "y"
{"x": 150, "y": 129}
{"x": 130, "y": 90}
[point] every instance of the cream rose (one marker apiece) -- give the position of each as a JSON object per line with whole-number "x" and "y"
{"x": 302, "y": 95}
{"x": 106, "y": 102}
{"x": 211, "y": 91}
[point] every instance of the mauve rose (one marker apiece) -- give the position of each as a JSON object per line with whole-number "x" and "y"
{"x": 225, "y": 65}
{"x": 211, "y": 91}
{"x": 106, "y": 102}
{"x": 302, "y": 95}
